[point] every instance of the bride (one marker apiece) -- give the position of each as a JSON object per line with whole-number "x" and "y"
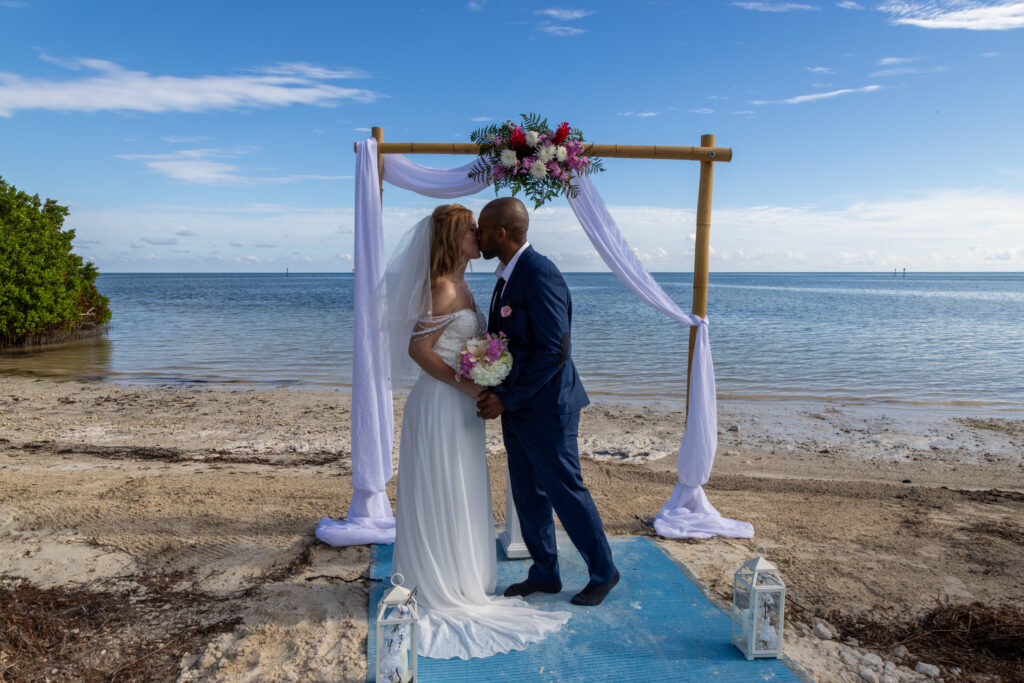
{"x": 444, "y": 541}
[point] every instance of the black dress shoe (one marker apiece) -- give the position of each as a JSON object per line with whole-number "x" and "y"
{"x": 593, "y": 595}
{"x": 524, "y": 588}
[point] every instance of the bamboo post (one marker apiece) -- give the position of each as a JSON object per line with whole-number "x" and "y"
{"x": 701, "y": 253}
{"x": 378, "y": 134}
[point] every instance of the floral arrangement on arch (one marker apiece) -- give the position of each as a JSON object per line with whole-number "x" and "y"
{"x": 533, "y": 158}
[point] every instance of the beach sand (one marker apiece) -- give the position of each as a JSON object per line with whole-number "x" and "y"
{"x": 166, "y": 534}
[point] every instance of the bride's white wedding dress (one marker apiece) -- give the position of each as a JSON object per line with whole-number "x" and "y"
{"x": 444, "y": 541}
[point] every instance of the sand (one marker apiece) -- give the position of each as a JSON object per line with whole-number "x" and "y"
{"x": 195, "y": 509}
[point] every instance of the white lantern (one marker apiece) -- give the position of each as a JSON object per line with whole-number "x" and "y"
{"x": 758, "y": 608}
{"x": 397, "y": 634}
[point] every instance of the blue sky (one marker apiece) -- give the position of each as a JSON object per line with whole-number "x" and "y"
{"x": 201, "y": 136}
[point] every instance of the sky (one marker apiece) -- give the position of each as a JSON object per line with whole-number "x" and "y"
{"x": 217, "y": 136}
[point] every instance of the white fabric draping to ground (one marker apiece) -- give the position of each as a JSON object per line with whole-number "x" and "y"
{"x": 369, "y": 519}
{"x": 687, "y": 514}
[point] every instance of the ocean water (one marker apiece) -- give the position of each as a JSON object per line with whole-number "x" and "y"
{"x": 942, "y": 339}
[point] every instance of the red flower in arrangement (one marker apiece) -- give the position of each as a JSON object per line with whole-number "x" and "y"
{"x": 562, "y": 133}
{"x": 518, "y": 139}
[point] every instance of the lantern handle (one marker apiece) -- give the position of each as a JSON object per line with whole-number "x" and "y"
{"x": 761, "y": 550}
{"x": 397, "y": 579}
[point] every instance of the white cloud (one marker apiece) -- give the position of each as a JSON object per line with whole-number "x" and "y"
{"x": 647, "y": 114}
{"x": 158, "y": 240}
{"x": 775, "y": 6}
{"x": 820, "y": 69}
{"x": 919, "y": 231}
{"x": 561, "y": 31}
{"x": 893, "y": 61}
{"x": 479, "y": 119}
{"x": 799, "y": 99}
{"x": 963, "y": 14}
{"x": 186, "y": 233}
{"x": 311, "y": 71}
{"x": 114, "y": 88}
{"x": 898, "y": 71}
{"x": 13, "y": 4}
{"x": 199, "y": 166}
{"x": 476, "y": 5}
{"x": 703, "y": 110}
{"x": 175, "y": 139}
{"x": 989, "y": 54}
{"x": 564, "y": 14}
{"x": 849, "y": 4}
{"x": 263, "y": 245}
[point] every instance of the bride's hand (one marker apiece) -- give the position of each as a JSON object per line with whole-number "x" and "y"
{"x": 472, "y": 389}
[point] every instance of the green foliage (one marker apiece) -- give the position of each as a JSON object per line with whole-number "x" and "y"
{"x": 495, "y": 138}
{"x": 46, "y": 291}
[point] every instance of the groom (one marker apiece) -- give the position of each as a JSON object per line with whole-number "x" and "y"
{"x": 539, "y": 404}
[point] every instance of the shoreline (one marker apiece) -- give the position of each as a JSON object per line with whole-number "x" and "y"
{"x": 598, "y": 397}
{"x": 199, "y": 505}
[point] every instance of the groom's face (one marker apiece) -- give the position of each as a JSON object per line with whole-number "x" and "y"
{"x": 488, "y": 236}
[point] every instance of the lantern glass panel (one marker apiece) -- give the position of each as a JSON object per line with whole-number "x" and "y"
{"x": 767, "y": 622}
{"x": 397, "y": 635}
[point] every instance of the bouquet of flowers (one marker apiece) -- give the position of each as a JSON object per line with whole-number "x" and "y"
{"x": 485, "y": 360}
{"x": 532, "y": 157}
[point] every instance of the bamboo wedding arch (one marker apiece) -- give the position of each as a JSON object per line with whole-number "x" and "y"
{"x": 688, "y": 513}
{"x": 707, "y": 154}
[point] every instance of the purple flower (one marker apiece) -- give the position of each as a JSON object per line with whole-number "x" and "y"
{"x": 466, "y": 364}
{"x": 494, "y": 350}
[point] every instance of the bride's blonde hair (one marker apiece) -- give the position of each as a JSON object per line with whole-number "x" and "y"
{"x": 446, "y": 238}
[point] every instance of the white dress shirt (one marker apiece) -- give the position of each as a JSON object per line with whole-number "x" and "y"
{"x": 504, "y": 270}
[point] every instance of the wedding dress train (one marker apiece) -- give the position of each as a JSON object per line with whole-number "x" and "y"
{"x": 444, "y": 541}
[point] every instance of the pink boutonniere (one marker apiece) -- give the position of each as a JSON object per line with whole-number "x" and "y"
{"x": 506, "y": 311}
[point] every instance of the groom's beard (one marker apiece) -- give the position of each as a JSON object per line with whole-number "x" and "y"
{"x": 485, "y": 252}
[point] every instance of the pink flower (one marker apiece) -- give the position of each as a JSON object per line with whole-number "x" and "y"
{"x": 495, "y": 347}
{"x": 466, "y": 364}
{"x": 506, "y": 311}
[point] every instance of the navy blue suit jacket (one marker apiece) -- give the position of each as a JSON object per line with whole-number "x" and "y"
{"x": 543, "y": 376}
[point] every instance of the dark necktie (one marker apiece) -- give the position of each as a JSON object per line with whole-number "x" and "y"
{"x": 492, "y": 320}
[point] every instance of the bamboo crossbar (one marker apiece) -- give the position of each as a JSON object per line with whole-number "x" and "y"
{"x": 606, "y": 151}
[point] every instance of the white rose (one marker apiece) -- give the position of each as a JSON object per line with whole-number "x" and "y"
{"x": 508, "y": 158}
{"x": 532, "y": 137}
{"x": 538, "y": 170}
{"x": 561, "y": 153}
{"x": 546, "y": 153}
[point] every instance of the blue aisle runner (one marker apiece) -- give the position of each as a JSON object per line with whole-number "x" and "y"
{"x": 656, "y": 625}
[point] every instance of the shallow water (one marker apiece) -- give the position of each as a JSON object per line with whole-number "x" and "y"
{"x": 942, "y": 339}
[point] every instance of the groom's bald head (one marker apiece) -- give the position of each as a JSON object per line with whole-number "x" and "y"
{"x": 509, "y": 213}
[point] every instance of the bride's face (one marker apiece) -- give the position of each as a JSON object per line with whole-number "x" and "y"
{"x": 470, "y": 248}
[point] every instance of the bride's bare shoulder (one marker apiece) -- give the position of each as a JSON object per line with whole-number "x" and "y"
{"x": 443, "y": 296}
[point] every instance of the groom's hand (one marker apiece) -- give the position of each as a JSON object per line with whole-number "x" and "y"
{"x": 489, "y": 406}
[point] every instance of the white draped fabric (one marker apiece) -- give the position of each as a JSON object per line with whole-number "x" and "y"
{"x": 443, "y": 183}
{"x": 369, "y": 519}
{"x": 687, "y": 514}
